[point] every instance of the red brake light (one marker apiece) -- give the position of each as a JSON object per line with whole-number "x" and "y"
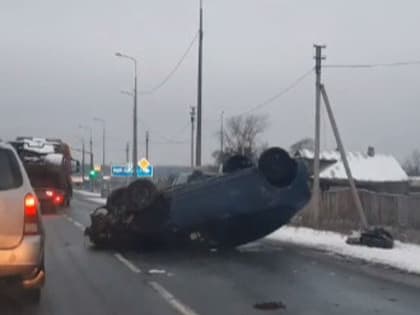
{"x": 58, "y": 200}
{"x": 31, "y": 206}
{"x": 31, "y": 224}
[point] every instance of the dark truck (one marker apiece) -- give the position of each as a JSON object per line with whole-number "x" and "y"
{"x": 245, "y": 203}
{"x": 49, "y": 166}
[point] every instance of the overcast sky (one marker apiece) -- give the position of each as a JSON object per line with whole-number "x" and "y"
{"x": 58, "y": 70}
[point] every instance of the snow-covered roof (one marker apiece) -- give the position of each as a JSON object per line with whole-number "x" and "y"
{"x": 38, "y": 145}
{"x": 332, "y": 155}
{"x": 377, "y": 168}
{"x": 54, "y": 158}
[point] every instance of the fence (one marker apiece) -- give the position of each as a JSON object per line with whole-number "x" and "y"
{"x": 399, "y": 213}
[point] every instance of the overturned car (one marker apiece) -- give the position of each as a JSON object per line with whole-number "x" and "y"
{"x": 245, "y": 203}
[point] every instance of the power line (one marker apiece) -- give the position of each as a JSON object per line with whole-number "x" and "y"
{"x": 375, "y": 65}
{"x": 167, "y": 140}
{"x": 174, "y": 70}
{"x": 279, "y": 94}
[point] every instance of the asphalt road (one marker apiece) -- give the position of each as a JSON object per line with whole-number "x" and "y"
{"x": 81, "y": 280}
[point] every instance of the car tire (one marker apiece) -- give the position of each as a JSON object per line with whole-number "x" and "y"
{"x": 277, "y": 167}
{"x": 32, "y": 296}
{"x": 141, "y": 194}
{"x": 117, "y": 200}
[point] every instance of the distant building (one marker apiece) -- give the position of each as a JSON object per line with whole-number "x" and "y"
{"x": 374, "y": 172}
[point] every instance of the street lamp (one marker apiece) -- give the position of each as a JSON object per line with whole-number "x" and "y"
{"x": 88, "y": 128}
{"x": 102, "y": 121}
{"x": 135, "y": 159}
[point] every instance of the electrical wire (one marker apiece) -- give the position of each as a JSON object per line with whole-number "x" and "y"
{"x": 173, "y": 71}
{"x": 167, "y": 140}
{"x": 374, "y": 65}
{"x": 279, "y": 94}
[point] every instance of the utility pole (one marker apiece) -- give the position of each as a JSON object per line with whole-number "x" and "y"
{"x": 147, "y": 145}
{"x": 91, "y": 151}
{"x": 316, "y": 190}
{"x": 127, "y": 152}
{"x": 199, "y": 89}
{"x": 222, "y": 133}
{"x": 83, "y": 163}
{"x": 135, "y": 159}
{"x": 340, "y": 145}
{"x": 192, "y": 113}
{"x": 102, "y": 121}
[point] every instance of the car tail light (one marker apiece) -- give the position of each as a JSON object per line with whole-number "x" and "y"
{"x": 31, "y": 221}
{"x": 58, "y": 199}
{"x": 49, "y": 193}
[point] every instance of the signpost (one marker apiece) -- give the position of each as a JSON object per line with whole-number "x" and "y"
{"x": 144, "y": 170}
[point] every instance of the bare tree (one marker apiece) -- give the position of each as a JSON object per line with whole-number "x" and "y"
{"x": 241, "y": 136}
{"x": 412, "y": 164}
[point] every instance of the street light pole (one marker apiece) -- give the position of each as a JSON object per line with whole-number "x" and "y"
{"x": 135, "y": 159}
{"x": 102, "y": 121}
{"x": 199, "y": 89}
{"x": 90, "y": 144}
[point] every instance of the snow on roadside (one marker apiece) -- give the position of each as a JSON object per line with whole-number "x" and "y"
{"x": 91, "y": 196}
{"x": 403, "y": 256}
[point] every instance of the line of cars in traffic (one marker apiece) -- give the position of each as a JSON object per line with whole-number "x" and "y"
{"x": 34, "y": 177}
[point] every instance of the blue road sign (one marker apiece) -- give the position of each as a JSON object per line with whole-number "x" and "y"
{"x": 125, "y": 171}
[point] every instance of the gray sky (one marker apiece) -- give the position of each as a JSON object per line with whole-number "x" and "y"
{"x": 58, "y": 70}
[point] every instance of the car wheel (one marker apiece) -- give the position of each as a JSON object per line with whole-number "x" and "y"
{"x": 32, "y": 296}
{"x": 277, "y": 167}
{"x": 141, "y": 194}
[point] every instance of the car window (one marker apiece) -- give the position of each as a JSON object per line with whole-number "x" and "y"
{"x": 10, "y": 176}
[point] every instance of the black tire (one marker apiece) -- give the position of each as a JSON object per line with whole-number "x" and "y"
{"x": 277, "y": 167}
{"x": 117, "y": 199}
{"x": 32, "y": 296}
{"x": 141, "y": 194}
{"x": 235, "y": 163}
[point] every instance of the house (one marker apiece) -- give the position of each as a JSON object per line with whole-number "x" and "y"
{"x": 374, "y": 172}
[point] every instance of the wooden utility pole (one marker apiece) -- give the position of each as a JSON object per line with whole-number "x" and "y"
{"x": 192, "y": 114}
{"x": 316, "y": 190}
{"x": 222, "y": 133}
{"x": 340, "y": 145}
{"x": 147, "y": 145}
{"x": 127, "y": 152}
{"x": 199, "y": 89}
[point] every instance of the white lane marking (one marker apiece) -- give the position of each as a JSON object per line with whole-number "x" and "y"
{"x": 128, "y": 263}
{"x": 79, "y": 225}
{"x": 74, "y": 222}
{"x": 171, "y": 300}
{"x": 69, "y": 218}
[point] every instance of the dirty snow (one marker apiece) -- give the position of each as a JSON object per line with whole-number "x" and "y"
{"x": 91, "y": 196}
{"x": 378, "y": 168}
{"x": 403, "y": 256}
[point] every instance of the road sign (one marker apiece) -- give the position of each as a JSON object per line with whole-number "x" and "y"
{"x": 126, "y": 171}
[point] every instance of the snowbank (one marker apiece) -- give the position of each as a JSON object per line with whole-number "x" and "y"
{"x": 91, "y": 196}
{"x": 403, "y": 256}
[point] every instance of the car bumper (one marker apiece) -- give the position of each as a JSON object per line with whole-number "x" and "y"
{"x": 23, "y": 265}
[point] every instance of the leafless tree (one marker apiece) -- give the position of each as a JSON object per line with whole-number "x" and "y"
{"x": 412, "y": 164}
{"x": 241, "y": 136}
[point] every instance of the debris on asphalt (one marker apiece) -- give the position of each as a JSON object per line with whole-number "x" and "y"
{"x": 269, "y": 306}
{"x": 373, "y": 237}
{"x": 244, "y": 204}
